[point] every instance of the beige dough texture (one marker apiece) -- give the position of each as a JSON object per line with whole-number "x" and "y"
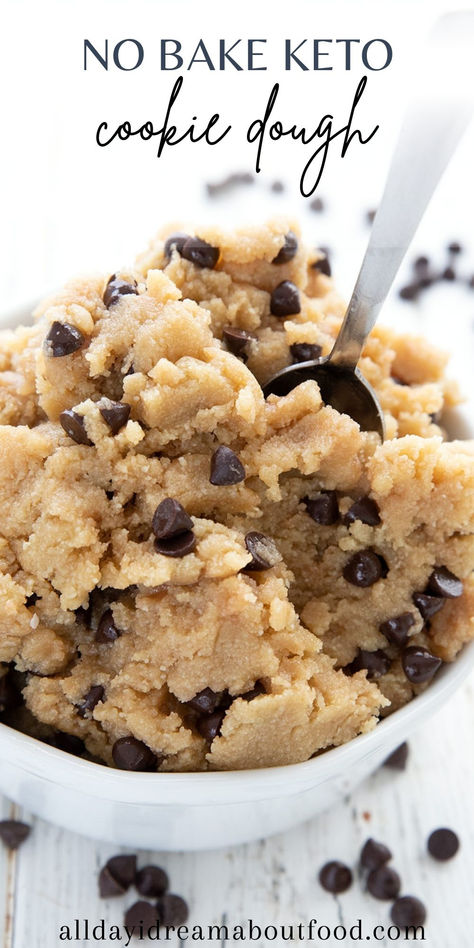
{"x": 199, "y": 645}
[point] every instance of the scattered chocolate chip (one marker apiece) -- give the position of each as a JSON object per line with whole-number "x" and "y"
{"x": 410, "y": 291}
{"x": 109, "y": 887}
{"x": 376, "y": 663}
{"x": 365, "y": 510}
{"x": 131, "y": 754}
{"x": 232, "y": 181}
{"x": 170, "y": 519}
{"x": 288, "y": 251}
{"x": 364, "y": 568}
{"x": 123, "y": 868}
{"x": 172, "y": 910}
{"x": 90, "y": 700}
{"x": 323, "y": 507}
{"x": 443, "y": 844}
{"x": 444, "y": 583}
{"x": 107, "y": 630}
{"x": 226, "y": 467}
{"x": 237, "y": 341}
{"x": 177, "y": 546}
{"x": 454, "y": 247}
{"x": 141, "y": 915}
{"x": 396, "y": 629}
{"x": 209, "y": 726}
{"x": 74, "y": 426}
{"x": 116, "y": 288}
{"x": 63, "y": 339}
{"x": 175, "y": 242}
{"x": 408, "y": 911}
{"x": 116, "y": 415}
{"x": 427, "y": 605}
{"x": 384, "y": 883}
{"x": 449, "y": 274}
{"x": 68, "y": 743}
{"x": 285, "y": 300}
{"x": 31, "y": 600}
{"x": 421, "y": 264}
{"x": 13, "y": 833}
{"x": 206, "y": 701}
{"x": 10, "y": 696}
{"x": 277, "y": 187}
{"x": 258, "y": 689}
{"x": 151, "y": 881}
{"x": 200, "y": 253}
{"x": 305, "y": 351}
{"x": 322, "y": 264}
{"x": 419, "y": 664}
{"x": 264, "y": 550}
{"x": 370, "y": 215}
{"x": 317, "y": 205}
{"x": 335, "y": 877}
{"x": 374, "y": 854}
{"x": 397, "y": 760}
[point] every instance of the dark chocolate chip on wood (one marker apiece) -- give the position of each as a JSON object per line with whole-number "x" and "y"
{"x": 444, "y": 583}
{"x": 376, "y": 664}
{"x": 374, "y": 854}
{"x": 116, "y": 288}
{"x": 237, "y": 341}
{"x": 305, "y": 351}
{"x": 226, "y": 467}
{"x": 206, "y": 701}
{"x": 285, "y": 300}
{"x": 366, "y": 510}
{"x": 116, "y": 415}
{"x": 172, "y": 910}
{"x": 107, "y": 630}
{"x": 335, "y": 877}
{"x": 209, "y": 725}
{"x": 408, "y": 911}
{"x": 364, "y": 568}
{"x": 170, "y": 519}
{"x": 384, "y": 883}
{"x": 443, "y": 844}
{"x": 131, "y": 754}
{"x": 323, "y": 507}
{"x": 397, "y": 760}
{"x": 427, "y": 605}
{"x": 123, "y": 868}
{"x": 109, "y": 886}
{"x": 63, "y": 339}
{"x": 90, "y": 700}
{"x": 175, "y": 242}
{"x": 151, "y": 881}
{"x": 289, "y": 249}
{"x": 13, "y": 833}
{"x": 141, "y": 916}
{"x": 264, "y": 550}
{"x": 74, "y": 426}
{"x": 396, "y": 629}
{"x": 200, "y": 253}
{"x": 177, "y": 546}
{"x": 419, "y": 664}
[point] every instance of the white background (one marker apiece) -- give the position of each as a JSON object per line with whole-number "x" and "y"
{"x": 68, "y": 206}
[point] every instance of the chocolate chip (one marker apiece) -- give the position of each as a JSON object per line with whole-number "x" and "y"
{"x": 285, "y": 300}
{"x": 209, "y": 726}
{"x": 141, "y": 915}
{"x": 131, "y": 754}
{"x": 335, "y": 877}
{"x": 376, "y": 664}
{"x": 322, "y": 264}
{"x": 151, "y": 881}
{"x": 370, "y": 215}
{"x": 10, "y": 696}
{"x": 449, "y": 274}
{"x": 277, "y": 187}
{"x": 31, "y": 600}
{"x": 397, "y": 760}
{"x": 116, "y": 415}
{"x": 237, "y": 341}
{"x": 264, "y": 550}
{"x": 366, "y": 510}
{"x": 288, "y": 251}
{"x": 317, "y": 205}
{"x": 108, "y": 885}
{"x": 226, "y": 467}
{"x": 374, "y": 854}
{"x": 170, "y": 519}
{"x": 258, "y": 689}
{"x": 396, "y": 629}
{"x": 172, "y": 910}
{"x": 13, "y": 833}
{"x": 116, "y": 288}
{"x": 364, "y": 568}
{"x": 305, "y": 351}
{"x": 419, "y": 664}
{"x": 175, "y": 242}
{"x": 177, "y": 546}
{"x": 90, "y": 700}
{"x": 74, "y": 426}
{"x": 410, "y": 291}
{"x": 323, "y": 507}
{"x": 123, "y": 868}
{"x": 421, "y": 264}
{"x": 200, "y": 253}
{"x": 444, "y": 583}
{"x": 454, "y": 247}
{"x": 384, "y": 883}
{"x": 68, "y": 743}
{"x": 443, "y": 844}
{"x": 107, "y": 630}
{"x": 63, "y": 339}
{"x": 206, "y": 701}
{"x": 408, "y": 911}
{"x": 427, "y": 605}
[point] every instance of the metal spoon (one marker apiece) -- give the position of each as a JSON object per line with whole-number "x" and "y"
{"x": 431, "y": 130}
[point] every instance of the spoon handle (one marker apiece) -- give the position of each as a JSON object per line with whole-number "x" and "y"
{"x": 440, "y": 111}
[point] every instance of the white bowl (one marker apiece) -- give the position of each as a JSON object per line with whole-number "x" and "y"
{"x": 196, "y": 811}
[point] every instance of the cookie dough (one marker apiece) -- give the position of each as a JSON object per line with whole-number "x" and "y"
{"x": 193, "y": 577}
